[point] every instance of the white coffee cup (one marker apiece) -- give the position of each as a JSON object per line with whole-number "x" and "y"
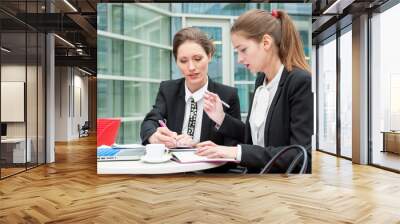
{"x": 155, "y": 151}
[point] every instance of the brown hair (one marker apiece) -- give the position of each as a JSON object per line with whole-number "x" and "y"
{"x": 255, "y": 23}
{"x": 195, "y": 35}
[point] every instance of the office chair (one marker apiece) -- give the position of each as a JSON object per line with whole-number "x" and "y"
{"x": 84, "y": 130}
{"x": 107, "y": 131}
{"x": 303, "y": 153}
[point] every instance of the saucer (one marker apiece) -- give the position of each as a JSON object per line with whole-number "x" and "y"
{"x": 163, "y": 159}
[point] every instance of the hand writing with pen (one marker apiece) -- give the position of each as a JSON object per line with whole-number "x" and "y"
{"x": 171, "y": 139}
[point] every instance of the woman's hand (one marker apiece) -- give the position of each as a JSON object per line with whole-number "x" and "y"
{"x": 211, "y": 150}
{"x": 213, "y": 107}
{"x": 185, "y": 140}
{"x": 164, "y": 136}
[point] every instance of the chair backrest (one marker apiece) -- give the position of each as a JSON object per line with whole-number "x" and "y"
{"x": 107, "y": 130}
{"x": 86, "y": 125}
{"x": 302, "y": 153}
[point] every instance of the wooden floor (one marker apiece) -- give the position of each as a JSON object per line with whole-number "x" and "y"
{"x": 70, "y": 191}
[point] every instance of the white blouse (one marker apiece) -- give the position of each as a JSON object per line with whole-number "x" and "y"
{"x": 259, "y": 111}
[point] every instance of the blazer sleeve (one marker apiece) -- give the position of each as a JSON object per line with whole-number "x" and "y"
{"x": 233, "y": 126}
{"x": 301, "y": 129}
{"x": 232, "y": 113}
{"x": 150, "y": 122}
{"x": 302, "y": 111}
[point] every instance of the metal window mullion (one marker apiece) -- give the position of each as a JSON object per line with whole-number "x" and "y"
{"x": 338, "y": 95}
{"x": 317, "y": 96}
{"x": 369, "y": 89}
{"x": 25, "y": 89}
{"x": 37, "y": 94}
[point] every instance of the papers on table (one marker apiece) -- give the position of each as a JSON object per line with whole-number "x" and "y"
{"x": 127, "y": 146}
{"x": 191, "y": 157}
{"x": 182, "y": 149}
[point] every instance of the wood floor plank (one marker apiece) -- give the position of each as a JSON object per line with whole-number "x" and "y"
{"x": 70, "y": 191}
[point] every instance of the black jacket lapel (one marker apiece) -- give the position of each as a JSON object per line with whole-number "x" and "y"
{"x": 273, "y": 104}
{"x": 206, "y": 123}
{"x": 180, "y": 108}
{"x": 259, "y": 82}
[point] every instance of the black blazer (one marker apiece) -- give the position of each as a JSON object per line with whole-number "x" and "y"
{"x": 170, "y": 105}
{"x": 289, "y": 121}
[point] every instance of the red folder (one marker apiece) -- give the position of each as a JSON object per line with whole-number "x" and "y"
{"x": 107, "y": 130}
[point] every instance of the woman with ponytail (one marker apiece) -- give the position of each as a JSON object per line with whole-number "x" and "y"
{"x": 281, "y": 113}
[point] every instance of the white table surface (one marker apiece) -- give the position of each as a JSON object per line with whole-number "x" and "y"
{"x": 139, "y": 167}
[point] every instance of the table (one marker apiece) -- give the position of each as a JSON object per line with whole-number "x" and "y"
{"x": 391, "y": 141}
{"x": 139, "y": 167}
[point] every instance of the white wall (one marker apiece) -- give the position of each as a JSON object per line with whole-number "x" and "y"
{"x": 17, "y": 73}
{"x": 61, "y": 103}
{"x": 69, "y": 85}
{"x": 79, "y": 117}
{"x": 33, "y": 126}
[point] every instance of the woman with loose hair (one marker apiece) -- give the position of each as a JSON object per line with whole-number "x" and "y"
{"x": 177, "y": 117}
{"x": 281, "y": 113}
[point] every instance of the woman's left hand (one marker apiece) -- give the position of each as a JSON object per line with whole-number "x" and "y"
{"x": 185, "y": 140}
{"x": 217, "y": 151}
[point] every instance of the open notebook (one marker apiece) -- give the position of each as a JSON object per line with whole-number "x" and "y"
{"x": 190, "y": 157}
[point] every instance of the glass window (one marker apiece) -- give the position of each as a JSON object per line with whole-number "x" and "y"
{"x": 121, "y": 99}
{"x": 124, "y": 96}
{"x": 22, "y": 76}
{"x": 14, "y": 70}
{"x": 130, "y": 132}
{"x": 117, "y": 53}
{"x": 230, "y": 9}
{"x": 102, "y": 54}
{"x": 245, "y": 92}
{"x": 164, "y": 6}
{"x": 327, "y": 96}
{"x": 290, "y": 8}
{"x": 346, "y": 94}
{"x": 146, "y": 62}
{"x": 385, "y": 89}
{"x": 117, "y": 18}
{"x": 102, "y": 17}
{"x": 139, "y": 66}
{"x": 145, "y": 24}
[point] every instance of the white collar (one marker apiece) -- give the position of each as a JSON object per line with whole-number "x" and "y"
{"x": 198, "y": 95}
{"x": 275, "y": 81}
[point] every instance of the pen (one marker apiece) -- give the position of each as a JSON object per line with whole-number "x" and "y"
{"x": 223, "y": 102}
{"x": 162, "y": 124}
